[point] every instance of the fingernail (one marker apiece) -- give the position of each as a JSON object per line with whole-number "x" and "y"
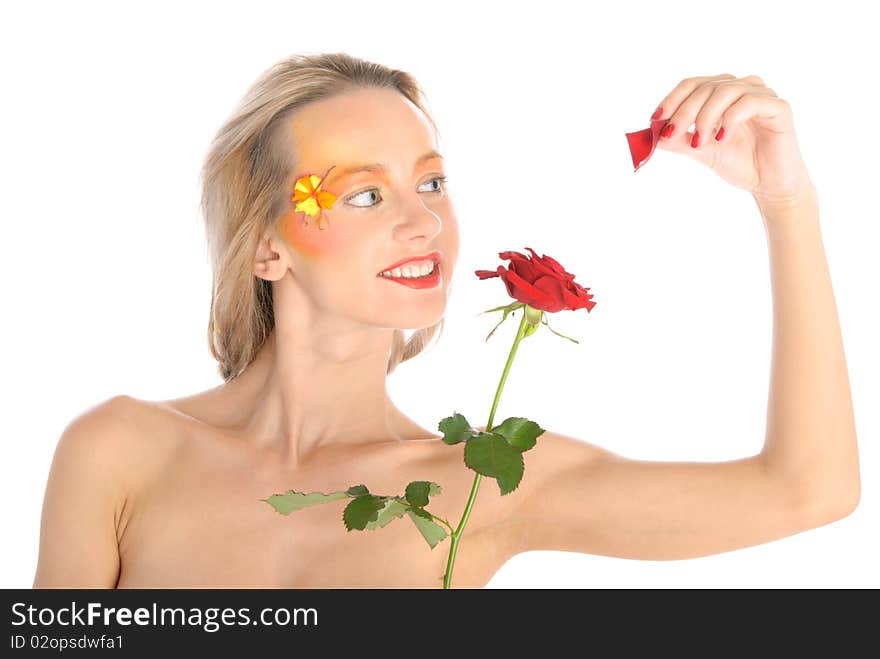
{"x": 657, "y": 113}
{"x": 667, "y": 130}
{"x": 720, "y": 134}
{"x": 696, "y": 141}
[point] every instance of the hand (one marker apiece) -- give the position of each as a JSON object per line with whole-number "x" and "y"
{"x": 758, "y": 151}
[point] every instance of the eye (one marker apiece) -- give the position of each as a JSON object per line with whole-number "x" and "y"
{"x": 363, "y": 195}
{"x": 441, "y": 183}
{"x": 357, "y": 195}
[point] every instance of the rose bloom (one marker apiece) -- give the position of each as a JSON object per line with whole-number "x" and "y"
{"x": 540, "y": 282}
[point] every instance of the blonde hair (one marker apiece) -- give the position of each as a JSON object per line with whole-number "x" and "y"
{"x": 244, "y": 192}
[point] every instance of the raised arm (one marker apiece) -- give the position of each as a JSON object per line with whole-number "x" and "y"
{"x": 579, "y": 497}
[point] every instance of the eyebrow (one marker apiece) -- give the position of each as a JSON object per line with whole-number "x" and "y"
{"x": 339, "y": 174}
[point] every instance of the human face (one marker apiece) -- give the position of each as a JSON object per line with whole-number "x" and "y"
{"x": 379, "y": 217}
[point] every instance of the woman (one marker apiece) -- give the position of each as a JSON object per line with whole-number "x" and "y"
{"x": 305, "y": 327}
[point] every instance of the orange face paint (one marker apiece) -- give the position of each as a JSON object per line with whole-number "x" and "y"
{"x": 303, "y": 237}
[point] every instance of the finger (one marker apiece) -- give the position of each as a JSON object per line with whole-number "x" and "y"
{"x": 685, "y": 88}
{"x": 757, "y": 81}
{"x": 686, "y": 110}
{"x": 758, "y": 103}
{"x": 707, "y": 122}
{"x": 675, "y": 133}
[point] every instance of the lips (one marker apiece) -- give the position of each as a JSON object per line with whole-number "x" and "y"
{"x": 433, "y": 256}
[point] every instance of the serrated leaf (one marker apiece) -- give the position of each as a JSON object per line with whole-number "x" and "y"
{"x": 519, "y": 432}
{"x": 421, "y": 512}
{"x": 362, "y": 510}
{"x": 456, "y": 429}
{"x": 393, "y": 509}
{"x": 431, "y": 531}
{"x": 492, "y": 455}
{"x": 292, "y": 500}
{"x": 357, "y": 490}
{"x": 430, "y": 489}
{"x": 417, "y": 493}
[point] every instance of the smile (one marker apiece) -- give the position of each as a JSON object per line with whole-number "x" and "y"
{"x": 409, "y": 275}
{"x": 411, "y": 269}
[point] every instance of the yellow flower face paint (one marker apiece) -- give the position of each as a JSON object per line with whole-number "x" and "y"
{"x": 311, "y": 199}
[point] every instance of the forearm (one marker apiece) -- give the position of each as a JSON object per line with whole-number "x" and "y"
{"x": 810, "y": 438}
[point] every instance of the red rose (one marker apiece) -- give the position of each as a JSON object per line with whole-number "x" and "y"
{"x": 540, "y": 282}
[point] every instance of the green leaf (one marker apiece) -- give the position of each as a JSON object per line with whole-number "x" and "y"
{"x": 362, "y": 510}
{"x": 292, "y": 500}
{"x": 456, "y": 429}
{"x": 431, "y": 531}
{"x": 417, "y": 493}
{"x": 357, "y": 490}
{"x": 519, "y": 432}
{"x": 492, "y": 455}
{"x": 394, "y": 508}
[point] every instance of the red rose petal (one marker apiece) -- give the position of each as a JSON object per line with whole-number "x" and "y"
{"x": 577, "y": 297}
{"x": 551, "y": 265}
{"x": 540, "y": 265}
{"x": 572, "y": 301}
{"x": 523, "y": 291}
{"x": 643, "y": 142}
{"x": 522, "y": 265}
{"x": 526, "y": 269}
{"x": 554, "y": 290}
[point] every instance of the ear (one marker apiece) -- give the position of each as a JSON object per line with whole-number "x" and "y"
{"x": 271, "y": 260}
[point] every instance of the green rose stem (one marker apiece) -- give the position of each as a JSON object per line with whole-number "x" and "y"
{"x": 529, "y": 315}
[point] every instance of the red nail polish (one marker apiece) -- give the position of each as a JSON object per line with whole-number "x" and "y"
{"x": 720, "y": 134}
{"x": 667, "y": 130}
{"x": 696, "y": 141}
{"x": 657, "y": 113}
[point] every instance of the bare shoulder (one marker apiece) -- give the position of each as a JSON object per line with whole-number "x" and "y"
{"x": 118, "y": 419}
{"x": 101, "y": 433}
{"x": 110, "y": 438}
{"x": 86, "y": 492}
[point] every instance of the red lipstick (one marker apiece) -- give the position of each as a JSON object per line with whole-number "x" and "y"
{"x": 433, "y": 256}
{"x": 428, "y": 281}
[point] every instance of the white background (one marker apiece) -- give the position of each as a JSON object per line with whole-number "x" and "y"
{"x": 108, "y": 110}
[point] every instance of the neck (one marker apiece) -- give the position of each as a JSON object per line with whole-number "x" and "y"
{"x": 304, "y": 395}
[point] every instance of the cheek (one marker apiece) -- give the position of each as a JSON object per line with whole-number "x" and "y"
{"x": 310, "y": 241}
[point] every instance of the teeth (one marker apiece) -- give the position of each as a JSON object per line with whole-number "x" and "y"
{"x": 410, "y": 270}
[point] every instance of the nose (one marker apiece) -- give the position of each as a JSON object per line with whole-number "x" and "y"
{"x": 417, "y": 221}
